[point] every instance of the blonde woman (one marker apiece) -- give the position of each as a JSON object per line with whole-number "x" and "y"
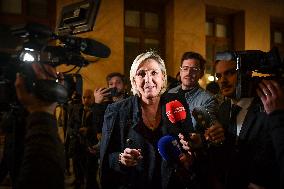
{"x": 132, "y": 128}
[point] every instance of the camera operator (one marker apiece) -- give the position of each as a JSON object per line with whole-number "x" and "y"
{"x": 43, "y": 159}
{"x": 272, "y": 97}
{"x": 247, "y": 160}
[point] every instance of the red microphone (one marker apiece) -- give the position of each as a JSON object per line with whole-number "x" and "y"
{"x": 175, "y": 111}
{"x": 176, "y": 115}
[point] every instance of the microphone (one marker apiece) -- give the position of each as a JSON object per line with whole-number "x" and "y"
{"x": 32, "y": 29}
{"x": 39, "y": 31}
{"x": 176, "y": 115}
{"x": 171, "y": 152}
{"x": 175, "y": 111}
{"x": 86, "y": 46}
{"x": 169, "y": 148}
{"x": 205, "y": 120}
{"x": 202, "y": 117}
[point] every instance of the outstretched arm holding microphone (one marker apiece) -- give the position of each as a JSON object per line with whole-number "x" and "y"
{"x": 214, "y": 131}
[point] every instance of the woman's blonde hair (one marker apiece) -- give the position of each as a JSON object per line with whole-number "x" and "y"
{"x": 142, "y": 58}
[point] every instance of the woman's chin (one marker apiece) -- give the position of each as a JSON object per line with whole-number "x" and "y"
{"x": 151, "y": 95}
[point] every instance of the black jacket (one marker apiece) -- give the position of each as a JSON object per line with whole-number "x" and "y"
{"x": 43, "y": 160}
{"x": 275, "y": 122}
{"x": 120, "y": 126}
{"x": 252, "y": 158}
{"x": 75, "y": 122}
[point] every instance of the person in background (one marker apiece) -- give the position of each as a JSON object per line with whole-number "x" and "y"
{"x": 84, "y": 136}
{"x": 247, "y": 160}
{"x": 115, "y": 81}
{"x": 43, "y": 157}
{"x": 173, "y": 82}
{"x": 271, "y": 94}
{"x": 115, "y": 92}
{"x": 214, "y": 89}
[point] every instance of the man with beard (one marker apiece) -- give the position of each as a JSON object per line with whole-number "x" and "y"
{"x": 115, "y": 92}
{"x": 248, "y": 158}
{"x": 191, "y": 70}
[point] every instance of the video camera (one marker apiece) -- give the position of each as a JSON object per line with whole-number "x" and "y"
{"x": 35, "y": 48}
{"x": 252, "y": 67}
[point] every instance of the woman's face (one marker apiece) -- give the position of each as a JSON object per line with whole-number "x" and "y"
{"x": 149, "y": 79}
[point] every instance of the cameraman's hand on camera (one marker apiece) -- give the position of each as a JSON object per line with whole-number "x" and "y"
{"x": 271, "y": 95}
{"x": 101, "y": 95}
{"x": 130, "y": 157}
{"x": 29, "y": 100}
{"x": 215, "y": 133}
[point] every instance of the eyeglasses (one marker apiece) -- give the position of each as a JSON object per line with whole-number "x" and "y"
{"x": 187, "y": 68}
{"x": 226, "y": 73}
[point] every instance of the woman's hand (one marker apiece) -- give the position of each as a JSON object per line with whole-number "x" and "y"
{"x": 130, "y": 157}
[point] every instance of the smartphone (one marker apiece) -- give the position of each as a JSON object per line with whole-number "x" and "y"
{"x": 113, "y": 92}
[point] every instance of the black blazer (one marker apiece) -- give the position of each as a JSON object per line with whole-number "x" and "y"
{"x": 251, "y": 159}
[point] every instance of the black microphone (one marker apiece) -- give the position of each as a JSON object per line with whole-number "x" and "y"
{"x": 202, "y": 117}
{"x": 86, "y": 46}
{"x": 32, "y": 29}
{"x": 205, "y": 119}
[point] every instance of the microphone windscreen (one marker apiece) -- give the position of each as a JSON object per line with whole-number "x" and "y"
{"x": 202, "y": 117}
{"x": 86, "y": 46}
{"x": 175, "y": 111}
{"x": 169, "y": 148}
{"x": 96, "y": 48}
{"x": 176, "y": 115}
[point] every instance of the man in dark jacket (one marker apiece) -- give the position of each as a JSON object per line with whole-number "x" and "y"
{"x": 115, "y": 92}
{"x": 272, "y": 97}
{"x": 83, "y": 140}
{"x": 43, "y": 156}
{"x": 248, "y": 157}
